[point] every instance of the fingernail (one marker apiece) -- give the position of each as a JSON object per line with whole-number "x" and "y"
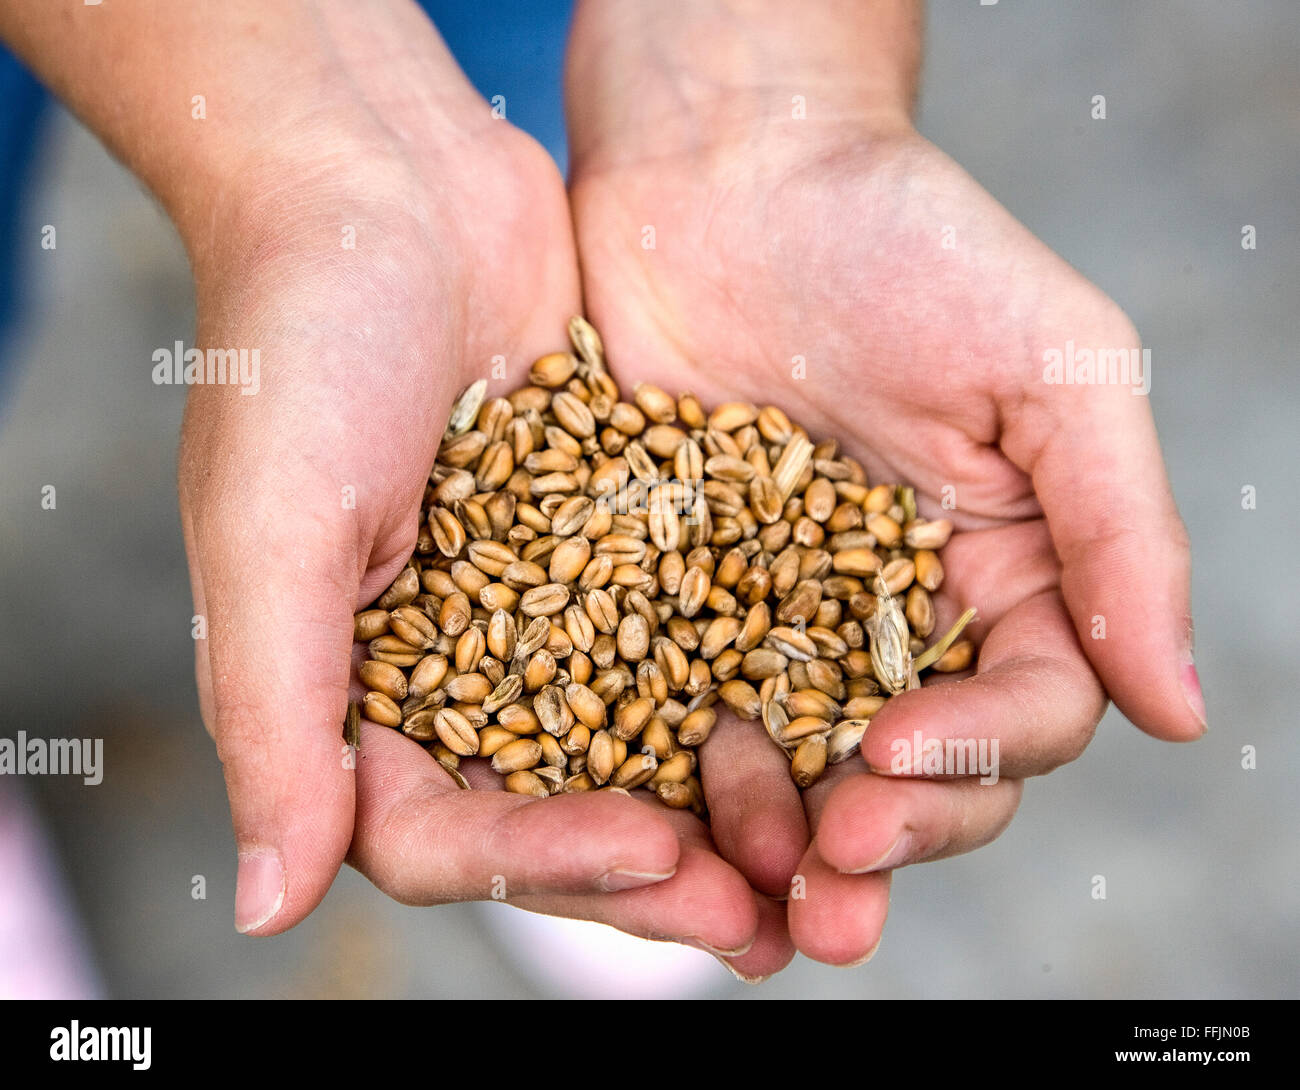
{"x": 700, "y": 945}
{"x": 895, "y": 855}
{"x": 741, "y": 976}
{"x": 1192, "y": 691}
{"x": 862, "y": 961}
{"x": 615, "y": 880}
{"x": 259, "y": 890}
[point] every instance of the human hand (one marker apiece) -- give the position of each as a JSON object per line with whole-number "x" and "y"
{"x": 779, "y": 240}
{"x": 300, "y": 506}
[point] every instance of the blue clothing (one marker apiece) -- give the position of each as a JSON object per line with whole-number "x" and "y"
{"x": 22, "y": 108}
{"x": 513, "y": 48}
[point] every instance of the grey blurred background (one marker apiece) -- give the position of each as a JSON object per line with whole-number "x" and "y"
{"x": 1202, "y": 136}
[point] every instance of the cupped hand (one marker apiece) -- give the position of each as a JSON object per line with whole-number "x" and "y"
{"x": 865, "y": 284}
{"x": 376, "y": 281}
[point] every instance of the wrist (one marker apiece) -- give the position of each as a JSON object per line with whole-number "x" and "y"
{"x": 643, "y": 82}
{"x": 226, "y": 107}
{"x": 346, "y": 125}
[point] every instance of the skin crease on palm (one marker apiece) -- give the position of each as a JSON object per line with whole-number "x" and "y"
{"x": 771, "y": 243}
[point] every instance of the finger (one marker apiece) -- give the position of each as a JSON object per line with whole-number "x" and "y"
{"x": 1033, "y": 705}
{"x": 839, "y": 918}
{"x": 835, "y": 918}
{"x": 423, "y": 840}
{"x": 1095, "y": 461}
{"x": 202, "y": 663}
{"x": 279, "y": 596}
{"x": 755, "y": 812}
{"x": 871, "y": 823}
{"x": 771, "y": 950}
{"x": 706, "y": 904}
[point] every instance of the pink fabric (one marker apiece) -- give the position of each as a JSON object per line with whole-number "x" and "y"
{"x": 42, "y": 951}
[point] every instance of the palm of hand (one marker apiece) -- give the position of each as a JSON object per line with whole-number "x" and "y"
{"x": 881, "y": 298}
{"x": 299, "y": 508}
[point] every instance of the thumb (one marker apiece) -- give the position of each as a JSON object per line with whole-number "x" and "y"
{"x": 1092, "y": 452}
{"x": 278, "y": 597}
